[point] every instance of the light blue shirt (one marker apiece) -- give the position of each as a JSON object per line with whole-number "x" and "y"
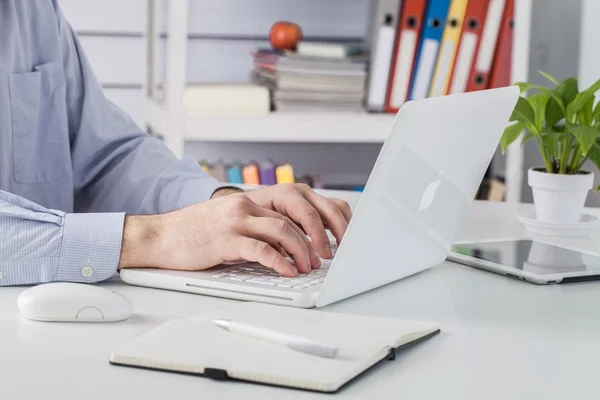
{"x": 72, "y": 164}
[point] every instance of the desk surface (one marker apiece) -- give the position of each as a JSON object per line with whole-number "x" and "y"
{"x": 501, "y": 339}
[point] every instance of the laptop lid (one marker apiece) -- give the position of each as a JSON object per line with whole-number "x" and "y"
{"x": 420, "y": 189}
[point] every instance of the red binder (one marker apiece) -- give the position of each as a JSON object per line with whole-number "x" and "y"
{"x": 480, "y": 74}
{"x": 468, "y": 48}
{"x": 501, "y": 70}
{"x": 407, "y": 41}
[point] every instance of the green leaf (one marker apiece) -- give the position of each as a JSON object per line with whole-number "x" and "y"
{"x": 524, "y": 114}
{"x": 596, "y": 113}
{"x": 594, "y": 156}
{"x": 524, "y": 87}
{"x": 549, "y": 77}
{"x": 526, "y": 138}
{"x": 585, "y": 135}
{"x": 511, "y": 133}
{"x": 550, "y": 142}
{"x": 538, "y": 102}
{"x": 581, "y": 100}
{"x": 585, "y": 115}
{"x": 568, "y": 90}
{"x": 556, "y": 109}
{"x": 594, "y": 87}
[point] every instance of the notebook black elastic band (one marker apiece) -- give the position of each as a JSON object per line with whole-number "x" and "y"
{"x": 391, "y": 355}
{"x": 216, "y": 374}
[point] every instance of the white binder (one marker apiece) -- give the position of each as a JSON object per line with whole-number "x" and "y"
{"x": 387, "y": 15}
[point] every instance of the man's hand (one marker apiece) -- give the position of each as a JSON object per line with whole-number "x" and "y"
{"x": 226, "y": 229}
{"x": 312, "y": 212}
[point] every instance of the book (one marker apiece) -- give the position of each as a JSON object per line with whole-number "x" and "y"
{"x": 328, "y": 50}
{"x": 251, "y": 174}
{"x": 234, "y": 174}
{"x": 198, "y": 346}
{"x": 227, "y": 98}
{"x": 267, "y": 173}
{"x": 285, "y": 173}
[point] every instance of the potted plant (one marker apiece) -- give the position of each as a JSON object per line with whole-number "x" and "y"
{"x": 565, "y": 124}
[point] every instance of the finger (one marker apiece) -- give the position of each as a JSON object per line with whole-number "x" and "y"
{"x": 344, "y": 208}
{"x": 315, "y": 261}
{"x": 330, "y": 213}
{"x": 277, "y": 231}
{"x": 302, "y": 212}
{"x": 263, "y": 253}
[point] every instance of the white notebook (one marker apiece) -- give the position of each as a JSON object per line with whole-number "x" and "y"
{"x": 197, "y": 346}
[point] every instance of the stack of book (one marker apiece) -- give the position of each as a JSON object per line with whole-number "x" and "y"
{"x": 316, "y": 77}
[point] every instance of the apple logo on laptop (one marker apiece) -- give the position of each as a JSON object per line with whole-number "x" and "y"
{"x": 429, "y": 194}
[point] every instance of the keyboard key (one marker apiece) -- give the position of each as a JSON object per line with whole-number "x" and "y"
{"x": 261, "y": 278}
{"x": 287, "y": 284}
{"x": 261, "y": 282}
{"x": 300, "y": 287}
{"x": 221, "y": 275}
{"x": 241, "y": 277}
{"x": 300, "y": 280}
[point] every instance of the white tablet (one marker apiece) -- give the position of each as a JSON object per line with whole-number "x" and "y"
{"x": 529, "y": 260}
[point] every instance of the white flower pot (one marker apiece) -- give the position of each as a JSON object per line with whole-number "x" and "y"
{"x": 559, "y": 198}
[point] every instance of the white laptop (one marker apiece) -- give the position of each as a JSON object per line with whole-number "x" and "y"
{"x": 415, "y": 201}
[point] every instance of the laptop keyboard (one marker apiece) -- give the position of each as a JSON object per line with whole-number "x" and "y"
{"x": 258, "y": 274}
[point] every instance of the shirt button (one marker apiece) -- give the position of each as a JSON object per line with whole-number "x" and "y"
{"x": 1, "y": 275}
{"x": 87, "y": 271}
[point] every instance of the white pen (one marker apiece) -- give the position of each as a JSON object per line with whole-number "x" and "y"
{"x": 294, "y": 342}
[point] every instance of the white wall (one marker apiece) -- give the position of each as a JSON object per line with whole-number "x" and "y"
{"x": 222, "y": 35}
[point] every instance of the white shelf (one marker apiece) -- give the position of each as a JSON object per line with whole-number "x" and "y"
{"x": 289, "y": 127}
{"x": 178, "y": 127}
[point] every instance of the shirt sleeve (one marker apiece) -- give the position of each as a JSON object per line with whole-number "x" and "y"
{"x": 117, "y": 167}
{"x": 40, "y": 245}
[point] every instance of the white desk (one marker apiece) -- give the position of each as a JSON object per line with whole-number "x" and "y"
{"x": 502, "y": 339}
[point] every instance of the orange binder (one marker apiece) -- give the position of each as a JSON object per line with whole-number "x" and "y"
{"x": 480, "y": 74}
{"x": 403, "y": 58}
{"x": 469, "y": 45}
{"x": 250, "y": 174}
{"x": 501, "y": 70}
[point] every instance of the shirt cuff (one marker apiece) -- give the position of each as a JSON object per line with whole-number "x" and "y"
{"x": 91, "y": 247}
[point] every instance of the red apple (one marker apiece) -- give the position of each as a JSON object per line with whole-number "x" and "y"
{"x": 285, "y": 35}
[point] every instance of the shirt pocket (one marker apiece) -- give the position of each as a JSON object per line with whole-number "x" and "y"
{"x": 40, "y": 130}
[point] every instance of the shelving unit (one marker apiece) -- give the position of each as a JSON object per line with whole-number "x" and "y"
{"x": 279, "y": 127}
{"x": 165, "y": 112}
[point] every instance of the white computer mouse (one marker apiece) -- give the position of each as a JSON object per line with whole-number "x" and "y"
{"x": 73, "y": 302}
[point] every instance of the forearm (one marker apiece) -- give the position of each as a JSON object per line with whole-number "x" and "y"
{"x": 142, "y": 236}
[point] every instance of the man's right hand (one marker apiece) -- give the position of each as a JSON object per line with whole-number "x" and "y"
{"x": 223, "y": 230}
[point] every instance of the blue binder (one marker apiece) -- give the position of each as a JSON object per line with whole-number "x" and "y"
{"x": 427, "y": 53}
{"x": 234, "y": 174}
